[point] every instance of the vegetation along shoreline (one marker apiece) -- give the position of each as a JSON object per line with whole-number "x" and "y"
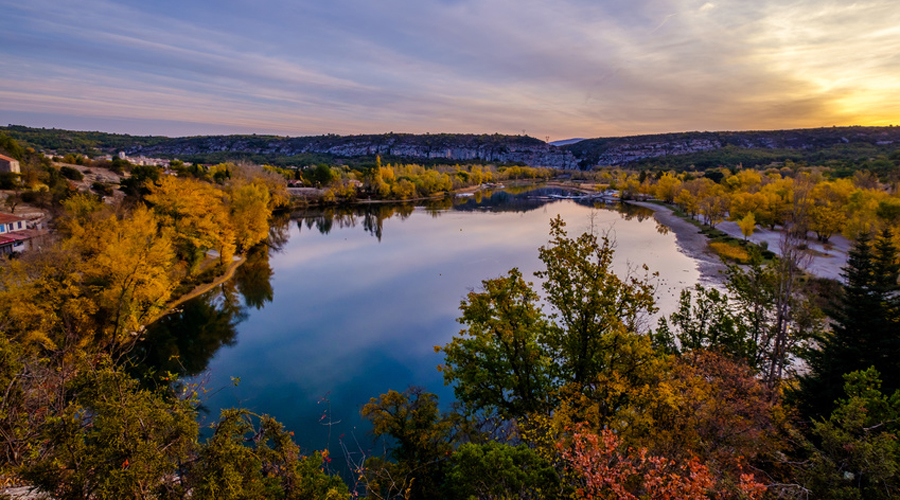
{"x": 561, "y": 391}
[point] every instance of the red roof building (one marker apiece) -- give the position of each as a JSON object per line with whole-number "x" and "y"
{"x": 8, "y": 164}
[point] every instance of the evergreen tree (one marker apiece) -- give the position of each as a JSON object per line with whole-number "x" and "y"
{"x": 865, "y": 329}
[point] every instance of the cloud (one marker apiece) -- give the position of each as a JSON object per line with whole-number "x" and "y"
{"x": 571, "y": 68}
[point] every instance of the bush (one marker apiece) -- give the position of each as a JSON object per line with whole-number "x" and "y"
{"x": 102, "y": 188}
{"x": 730, "y": 252}
{"x": 71, "y": 173}
{"x": 9, "y": 180}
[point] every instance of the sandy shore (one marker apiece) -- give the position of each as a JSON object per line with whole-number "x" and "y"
{"x": 826, "y": 261}
{"x": 690, "y": 242}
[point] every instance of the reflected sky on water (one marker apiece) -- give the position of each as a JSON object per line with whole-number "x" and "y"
{"x": 358, "y": 302}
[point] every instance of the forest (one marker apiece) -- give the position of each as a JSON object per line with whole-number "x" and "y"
{"x": 776, "y": 386}
{"x": 404, "y": 181}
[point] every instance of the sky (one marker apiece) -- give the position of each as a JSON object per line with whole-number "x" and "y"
{"x": 552, "y": 70}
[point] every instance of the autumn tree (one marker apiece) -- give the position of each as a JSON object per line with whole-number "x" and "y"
{"x": 596, "y": 313}
{"x": 747, "y": 225}
{"x": 249, "y": 210}
{"x": 610, "y": 470}
{"x": 713, "y": 204}
{"x": 128, "y": 271}
{"x": 499, "y": 361}
{"x": 667, "y": 187}
{"x": 688, "y": 202}
{"x": 420, "y": 445}
{"x": 198, "y": 215}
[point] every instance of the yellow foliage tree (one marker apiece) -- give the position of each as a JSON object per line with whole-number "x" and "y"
{"x": 747, "y": 225}
{"x": 249, "y": 210}
{"x": 197, "y": 212}
{"x": 667, "y": 187}
{"x": 130, "y": 274}
{"x": 688, "y": 202}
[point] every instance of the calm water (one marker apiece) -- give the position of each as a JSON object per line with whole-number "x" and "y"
{"x": 352, "y": 306}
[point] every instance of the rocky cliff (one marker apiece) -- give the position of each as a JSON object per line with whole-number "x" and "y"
{"x": 451, "y": 147}
{"x": 624, "y": 150}
{"x": 702, "y": 149}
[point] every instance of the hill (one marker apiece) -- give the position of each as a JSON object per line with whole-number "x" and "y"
{"x": 679, "y": 151}
{"x": 751, "y": 148}
{"x": 299, "y": 150}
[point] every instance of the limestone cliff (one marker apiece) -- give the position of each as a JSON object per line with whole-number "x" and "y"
{"x": 450, "y": 147}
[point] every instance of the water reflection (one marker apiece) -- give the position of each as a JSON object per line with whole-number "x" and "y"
{"x": 372, "y": 216}
{"x": 184, "y": 341}
{"x": 253, "y": 278}
{"x": 508, "y": 199}
{"x": 349, "y": 301}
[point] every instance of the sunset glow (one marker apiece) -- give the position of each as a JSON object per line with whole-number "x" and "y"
{"x": 576, "y": 68}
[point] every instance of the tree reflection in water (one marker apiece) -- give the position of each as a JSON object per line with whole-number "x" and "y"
{"x": 183, "y": 342}
{"x": 510, "y": 199}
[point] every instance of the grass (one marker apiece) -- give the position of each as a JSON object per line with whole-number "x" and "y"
{"x": 730, "y": 252}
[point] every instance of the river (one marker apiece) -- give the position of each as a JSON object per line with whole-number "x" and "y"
{"x": 350, "y": 304}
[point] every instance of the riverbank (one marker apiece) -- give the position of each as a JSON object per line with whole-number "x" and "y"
{"x": 201, "y": 289}
{"x": 825, "y": 260}
{"x": 689, "y": 240}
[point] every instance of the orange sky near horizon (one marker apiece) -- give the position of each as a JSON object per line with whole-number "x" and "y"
{"x": 575, "y": 68}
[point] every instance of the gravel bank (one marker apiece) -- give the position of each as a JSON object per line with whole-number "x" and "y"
{"x": 826, "y": 261}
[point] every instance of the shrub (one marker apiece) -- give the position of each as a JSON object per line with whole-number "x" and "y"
{"x": 71, "y": 173}
{"x": 102, "y": 188}
{"x": 730, "y": 252}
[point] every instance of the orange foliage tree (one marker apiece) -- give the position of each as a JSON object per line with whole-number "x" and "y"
{"x": 609, "y": 470}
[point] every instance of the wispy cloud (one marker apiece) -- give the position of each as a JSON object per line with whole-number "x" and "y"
{"x": 571, "y": 68}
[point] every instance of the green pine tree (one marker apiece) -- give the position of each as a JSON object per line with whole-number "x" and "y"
{"x": 865, "y": 329}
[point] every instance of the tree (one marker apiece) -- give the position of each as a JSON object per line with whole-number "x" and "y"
{"x": 421, "y": 445}
{"x": 197, "y": 213}
{"x": 857, "y": 454}
{"x": 321, "y": 175}
{"x": 136, "y": 185}
{"x": 113, "y": 440}
{"x": 713, "y": 204}
{"x": 249, "y": 210}
{"x": 129, "y": 271}
{"x": 596, "y": 313}
{"x": 688, "y": 202}
{"x": 708, "y": 406}
{"x": 244, "y": 460}
{"x": 403, "y": 189}
{"x": 499, "y": 360}
{"x": 667, "y": 187}
{"x": 826, "y": 220}
{"x": 865, "y": 328}
{"x": 747, "y": 225}
{"x": 611, "y": 470}
{"x": 704, "y": 322}
{"x": 500, "y": 471}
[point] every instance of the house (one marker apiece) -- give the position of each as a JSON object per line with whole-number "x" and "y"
{"x": 14, "y": 234}
{"x": 8, "y": 164}
{"x": 10, "y": 223}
